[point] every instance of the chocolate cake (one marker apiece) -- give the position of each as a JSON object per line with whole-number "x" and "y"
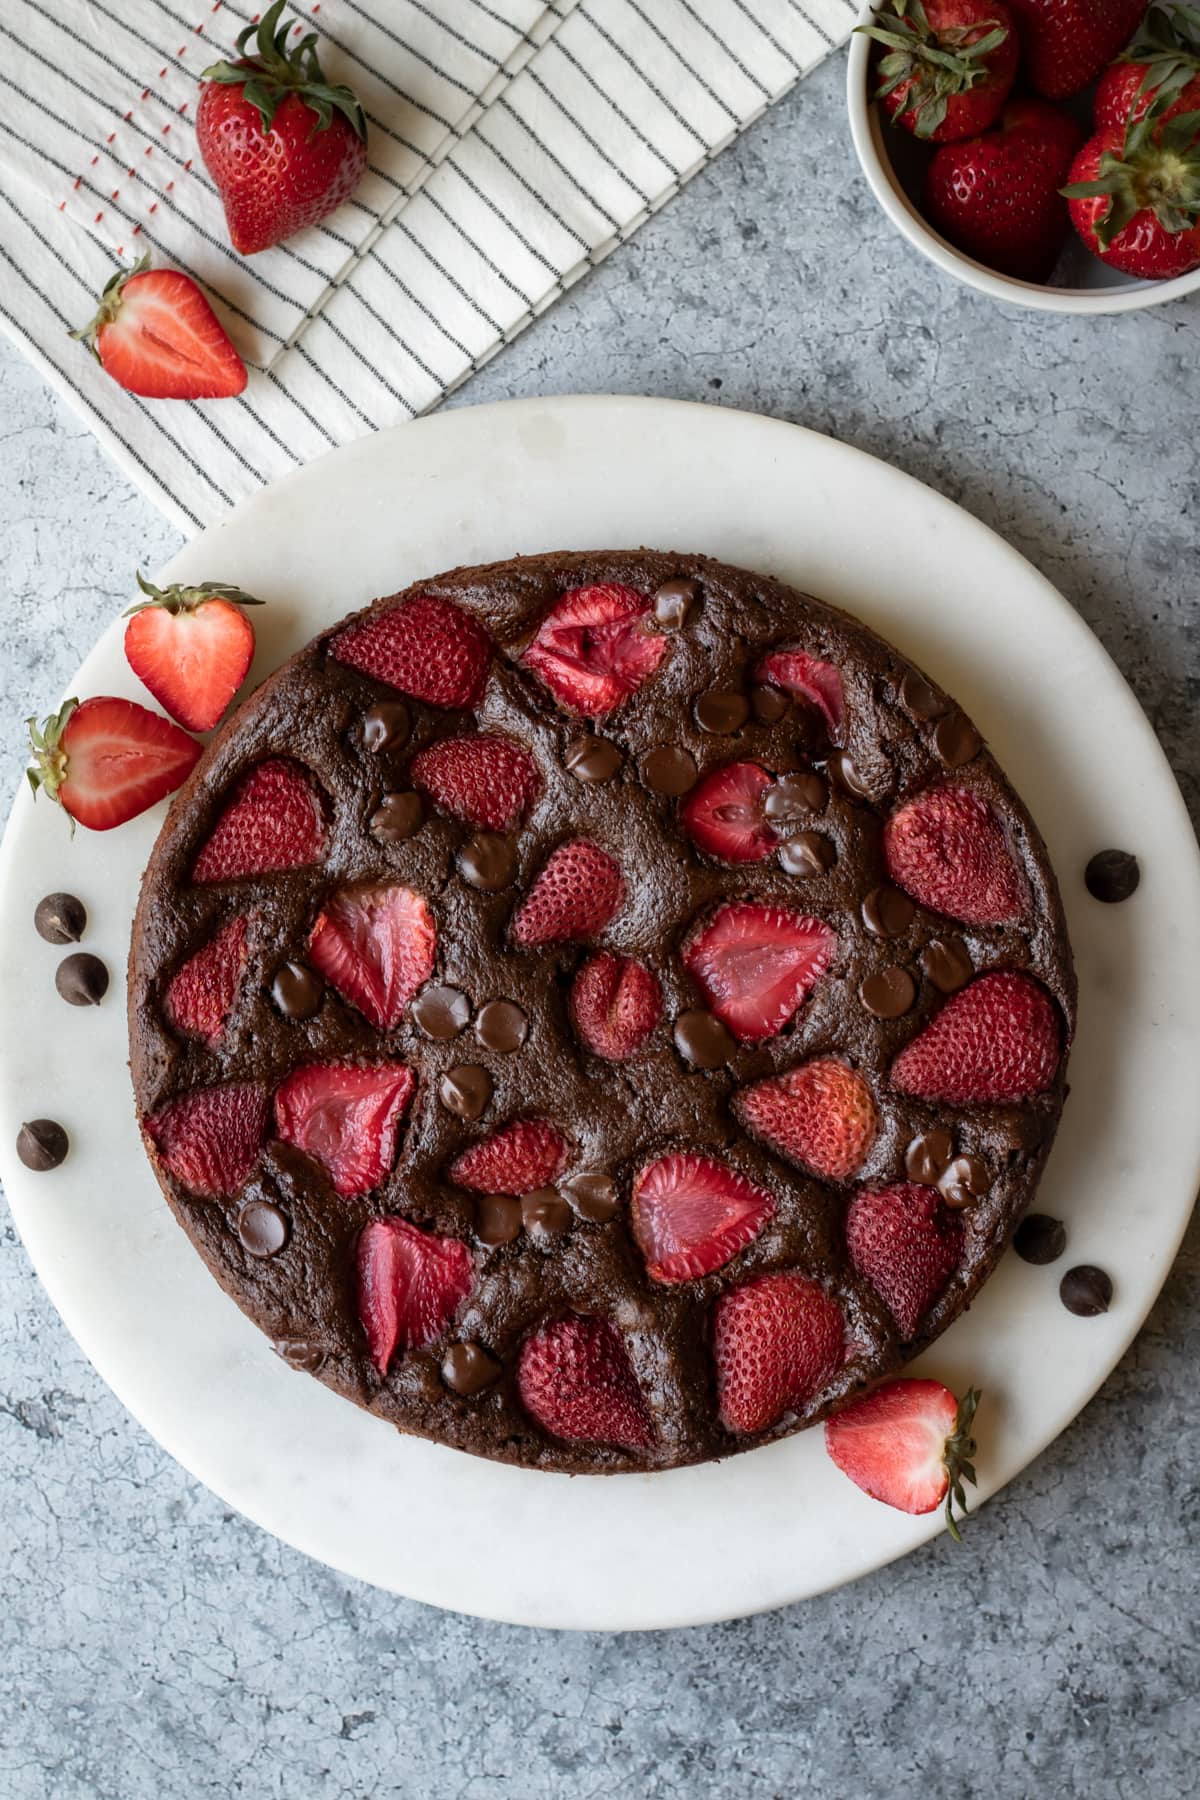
{"x": 599, "y": 1011}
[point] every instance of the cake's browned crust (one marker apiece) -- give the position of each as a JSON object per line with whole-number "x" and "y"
{"x": 616, "y": 1115}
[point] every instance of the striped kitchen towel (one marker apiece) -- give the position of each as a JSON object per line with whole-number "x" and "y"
{"x": 512, "y": 145}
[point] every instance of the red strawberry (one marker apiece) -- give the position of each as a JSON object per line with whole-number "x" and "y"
{"x": 209, "y": 1140}
{"x": 410, "y": 1285}
{"x": 347, "y": 1117}
{"x": 593, "y": 650}
{"x": 756, "y": 963}
{"x": 274, "y": 821}
{"x": 156, "y": 335}
{"x": 574, "y": 897}
{"x": 615, "y": 1004}
{"x": 376, "y": 946}
{"x": 998, "y": 1039}
{"x": 426, "y": 647}
{"x": 806, "y": 678}
{"x": 997, "y": 197}
{"x": 908, "y": 1444}
{"x": 820, "y": 1115}
{"x": 201, "y": 993}
{"x": 282, "y": 144}
{"x": 519, "y": 1158}
{"x": 723, "y": 814}
{"x": 691, "y": 1214}
{"x": 191, "y": 646}
{"x": 1066, "y": 43}
{"x": 1159, "y": 67}
{"x": 949, "y": 64}
{"x": 949, "y": 850}
{"x": 487, "y": 781}
{"x": 907, "y": 1245}
{"x": 1135, "y": 196}
{"x": 776, "y": 1342}
{"x": 575, "y": 1378}
{"x": 107, "y": 760}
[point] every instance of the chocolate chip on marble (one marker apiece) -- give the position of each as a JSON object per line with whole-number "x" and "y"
{"x": 465, "y": 1091}
{"x": 468, "y": 1369}
{"x": 42, "y": 1144}
{"x": 592, "y": 759}
{"x": 262, "y": 1229}
{"x": 963, "y": 1181}
{"x": 497, "y": 1218}
{"x": 441, "y": 1012}
{"x": 795, "y": 796}
{"x": 297, "y": 990}
{"x": 487, "y": 862}
{"x": 397, "y": 817}
{"x": 673, "y": 601}
{"x": 594, "y": 1197}
{"x": 769, "y": 704}
{"x": 921, "y": 699}
{"x": 845, "y": 774}
{"x": 1086, "y": 1290}
{"x": 806, "y": 854}
{"x": 1039, "y": 1239}
{"x": 886, "y": 912}
{"x": 81, "y": 979}
{"x": 703, "y": 1040}
{"x": 947, "y": 964}
{"x": 721, "y": 710}
{"x": 927, "y": 1155}
{"x": 545, "y": 1214}
{"x": 385, "y": 726}
{"x": 60, "y": 919}
{"x": 888, "y": 993}
{"x": 956, "y": 740}
{"x": 501, "y": 1026}
{"x": 1112, "y": 875}
{"x": 300, "y": 1353}
{"x": 669, "y": 770}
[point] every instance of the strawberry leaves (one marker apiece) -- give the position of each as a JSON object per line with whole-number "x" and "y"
{"x": 1156, "y": 170}
{"x": 934, "y": 66}
{"x": 270, "y": 72}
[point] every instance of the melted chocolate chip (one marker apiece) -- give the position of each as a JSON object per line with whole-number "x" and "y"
{"x": 42, "y": 1144}
{"x": 398, "y": 816}
{"x": 465, "y": 1091}
{"x": 385, "y": 726}
{"x": 795, "y": 796}
{"x": 60, "y": 919}
{"x": 1086, "y": 1290}
{"x": 545, "y": 1214}
{"x": 963, "y": 1181}
{"x": 889, "y": 992}
{"x": 920, "y": 699}
{"x": 497, "y": 1218}
{"x": 487, "y": 862}
{"x": 844, "y": 772}
{"x": 947, "y": 964}
{"x": 928, "y": 1155}
{"x": 300, "y": 1353}
{"x": 956, "y": 740}
{"x": 1040, "y": 1239}
{"x": 1112, "y": 875}
{"x": 297, "y": 990}
{"x": 806, "y": 854}
{"x": 886, "y": 912}
{"x": 769, "y": 704}
{"x": 702, "y": 1040}
{"x": 721, "y": 711}
{"x": 669, "y": 770}
{"x": 673, "y": 601}
{"x": 501, "y": 1026}
{"x": 594, "y": 1197}
{"x": 441, "y": 1012}
{"x": 262, "y": 1229}
{"x": 592, "y": 759}
{"x": 81, "y": 979}
{"x": 468, "y": 1369}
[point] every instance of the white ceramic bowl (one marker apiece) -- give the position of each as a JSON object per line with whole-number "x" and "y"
{"x": 892, "y": 162}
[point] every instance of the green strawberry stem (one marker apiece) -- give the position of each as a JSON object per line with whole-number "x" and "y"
{"x": 49, "y": 769}
{"x": 957, "y": 1456}
{"x": 270, "y": 72}
{"x": 1157, "y": 170}
{"x": 916, "y": 56}
{"x": 1168, "y": 42}
{"x": 180, "y": 599}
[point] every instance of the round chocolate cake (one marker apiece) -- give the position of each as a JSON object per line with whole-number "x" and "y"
{"x": 599, "y": 1011}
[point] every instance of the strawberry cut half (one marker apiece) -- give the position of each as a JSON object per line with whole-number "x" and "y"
{"x": 777, "y": 1341}
{"x": 201, "y": 993}
{"x": 691, "y": 1214}
{"x": 156, "y": 335}
{"x": 425, "y": 646}
{"x": 576, "y": 1380}
{"x": 376, "y": 946}
{"x": 520, "y": 1157}
{"x": 347, "y": 1117}
{"x": 908, "y": 1444}
{"x": 486, "y": 781}
{"x": 274, "y": 821}
{"x": 410, "y": 1285}
{"x": 593, "y": 650}
{"x": 106, "y": 760}
{"x": 756, "y": 963}
{"x": 820, "y": 1116}
{"x": 209, "y": 1140}
{"x": 807, "y": 678}
{"x": 997, "y": 1040}
{"x": 577, "y": 893}
{"x": 907, "y": 1245}
{"x": 191, "y": 646}
{"x": 615, "y": 1005}
{"x": 723, "y": 814}
{"x": 949, "y": 850}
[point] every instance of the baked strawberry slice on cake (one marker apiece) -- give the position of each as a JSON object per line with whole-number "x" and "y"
{"x": 347, "y": 1116}
{"x": 755, "y": 964}
{"x": 595, "y": 648}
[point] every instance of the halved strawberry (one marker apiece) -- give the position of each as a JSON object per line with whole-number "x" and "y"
{"x": 592, "y": 649}
{"x": 274, "y": 821}
{"x": 723, "y": 814}
{"x": 807, "y": 678}
{"x": 820, "y": 1115}
{"x": 908, "y": 1444}
{"x": 578, "y": 891}
{"x": 615, "y": 1004}
{"x": 776, "y": 1342}
{"x": 191, "y": 646}
{"x": 410, "y": 1285}
{"x": 907, "y": 1244}
{"x": 201, "y": 992}
{"x": 376, "y": 946}
{"x": 517, "y": 1159}
{"x": 576, "y": 1380}
{"x": 209, "y": 1140}
{"x": 948, "y": 849}
{"x": 998, "y": 1039}
{"x": 690, "y": 1214}
{"x": 756, "y": 963}
{"x": 425, "y": 646}
{"x": 156, "y": 335}
{"x": 107, "y": 760}
{"x": 487, "y": 781}
{"x": 347, "y": 1116}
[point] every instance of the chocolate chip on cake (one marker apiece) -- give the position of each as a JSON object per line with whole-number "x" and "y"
{"x": 592, "y": 759}
{"x": 721, "y": 711}
{"x": 594, "y": 1197}
{"x": 808, "y": 853}
{"x": 262, "y": 1229}
{"x": 545, "y": 1214}
{"x": 300, "y": 1353}
{"x": 673, "y": 602}
{"x": 920, "y": 699}
{"x": 795, "y": 796}
{"x": 397, "y": 817}
{"x": 703, "y": 1040}
{"x": 497, "y": 1218}
{"x": 441, "y": 1012}
{"x": 886, "y": 912}
{"x": 297, "y": 990}
{"x": 927, "y": 1156}
{"x": 963, "y": 1181}
{"x": 60, "y": 919}
{"x": 956, "y": 740}
{"x": 888, "y": 993}
{"x": 487, "y": 862}
{"x": 386, "y": 726}
{"x": 465, "y": 1091}
{"x": 502, "y": 1026}
{"x": 669, "y": 770}
{"x": 468, "y": 1369}
{"x": 947, "y": 964}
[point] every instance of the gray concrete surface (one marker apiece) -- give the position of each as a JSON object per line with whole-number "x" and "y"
{"x": 153, "y": 1645}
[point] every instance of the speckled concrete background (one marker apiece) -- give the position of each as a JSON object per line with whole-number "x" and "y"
{"x": 155, "y": 1647}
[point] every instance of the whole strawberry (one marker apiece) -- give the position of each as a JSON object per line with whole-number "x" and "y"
{"x": 1066, "y": 43}
{"x": 997, "y": 197}
{"x": 284, "y": 146}
{"x": 1160, "y": 68}
{"x": 1135, "y": 196}
{"x": 949, "y": 64}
